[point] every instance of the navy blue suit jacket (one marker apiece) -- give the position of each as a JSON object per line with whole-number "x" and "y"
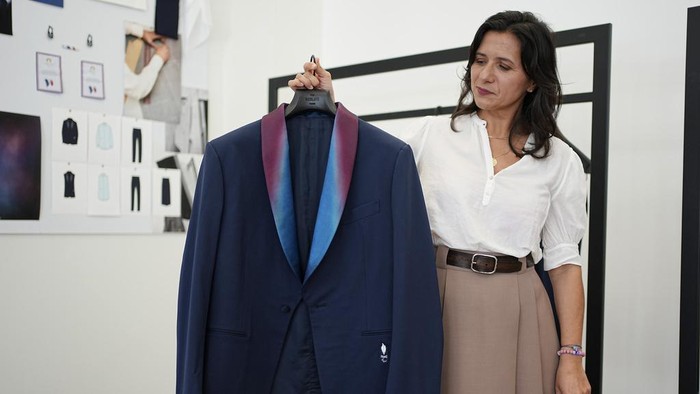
{"x": 372, "y": 295}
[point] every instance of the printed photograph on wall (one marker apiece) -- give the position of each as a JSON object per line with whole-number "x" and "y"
{"x": 188, "y": 165}
{"x": 49, "y": 77}
{"x": 183, "y": 150}
{"x": 69, "y": 188}
{"x": 165, "y": 192}
{"x": 136, "y": 191}
{"x": 6, "y": 17}
{"x": 104, "y": 138}
{"x": 103, "y": 190}
{"x": 137, "y": 142}
{"x": 190, "y": 134}
{"x": 92, "y": 80}
{"x": 55, "y": 3}
{"x": 69, "y": 135}
{"x": 138, "y": 4}
{"x": 20, "y": 166}
{"x": 152, "y": 68}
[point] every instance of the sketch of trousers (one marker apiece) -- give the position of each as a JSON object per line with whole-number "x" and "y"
{"x": 136, "y": 192}
{"x": 136, "y": 138}
{"x": 165, "y": 192}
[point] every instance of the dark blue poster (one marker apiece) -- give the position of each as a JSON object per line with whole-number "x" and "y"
{"x": 57, "y": 3}
{"x": 20, "y": 166}
{"x": 6, "y": 17}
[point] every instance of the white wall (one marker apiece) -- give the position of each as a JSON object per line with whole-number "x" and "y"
{"x": 250, "y": 43}
{"x": 86, "y": 314}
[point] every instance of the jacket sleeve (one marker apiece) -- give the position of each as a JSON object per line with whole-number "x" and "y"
{"x": 416, "y": 347}
{"x": 198, "y": 263}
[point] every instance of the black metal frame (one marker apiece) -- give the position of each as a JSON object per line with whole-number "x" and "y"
{"x": 600, "y": 37}
{"x": 689, "y": 336}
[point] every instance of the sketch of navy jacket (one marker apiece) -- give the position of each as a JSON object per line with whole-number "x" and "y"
{"x": 70, "y": 132}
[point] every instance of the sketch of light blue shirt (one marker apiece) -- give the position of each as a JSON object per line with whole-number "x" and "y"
{"x": 103, "y": 138}
{"x": 103, "y": 187}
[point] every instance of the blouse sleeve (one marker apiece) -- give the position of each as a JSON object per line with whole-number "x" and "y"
{"x": 138, "y": 86}
{"x": 567, "y": 219}
{"x": 416, "y": 136}
{"x": 134, "y": 29}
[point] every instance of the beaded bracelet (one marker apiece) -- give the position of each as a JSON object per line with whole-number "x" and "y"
{"x": 574, "y": 350}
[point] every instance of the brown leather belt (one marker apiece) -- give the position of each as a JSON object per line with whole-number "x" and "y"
{"x": 484, "y": 263}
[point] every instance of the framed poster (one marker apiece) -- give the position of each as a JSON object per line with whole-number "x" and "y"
{"x": 92, "y": 80}
{"x": 6, "y": 17}
{"x": 48, "y": 73}
{"x": 55, "y": 3}
{"x": 138, "y": 4}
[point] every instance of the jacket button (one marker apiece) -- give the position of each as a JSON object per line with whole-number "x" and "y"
{"x": 285, "y": 308}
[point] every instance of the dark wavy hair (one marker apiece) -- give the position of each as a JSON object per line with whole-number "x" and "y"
{"x": 538, "y": 57}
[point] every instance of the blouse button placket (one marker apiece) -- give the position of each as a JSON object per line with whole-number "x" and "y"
{"x": 491, "y": 179}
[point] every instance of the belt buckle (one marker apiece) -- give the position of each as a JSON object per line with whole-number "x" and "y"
{"x": 495, "y": 264}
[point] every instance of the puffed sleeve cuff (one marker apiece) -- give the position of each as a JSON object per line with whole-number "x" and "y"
{"x": 134, "y": 29}
{"x": 561, "y": 254}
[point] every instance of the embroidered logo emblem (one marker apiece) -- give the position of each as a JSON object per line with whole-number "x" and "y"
{"x": 384, "y": 357}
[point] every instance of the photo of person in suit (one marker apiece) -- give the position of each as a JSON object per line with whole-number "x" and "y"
{"x": 151, "y": 75}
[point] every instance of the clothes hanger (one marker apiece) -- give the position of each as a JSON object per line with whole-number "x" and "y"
{"x": 306, "y": 100}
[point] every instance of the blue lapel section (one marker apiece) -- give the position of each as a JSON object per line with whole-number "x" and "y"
{"x": 275, "y": 154}
{"x": 336, "y": 183}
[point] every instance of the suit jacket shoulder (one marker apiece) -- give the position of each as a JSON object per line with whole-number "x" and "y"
{"x": 247, "y": 134}
{"x": 379, "y": 137}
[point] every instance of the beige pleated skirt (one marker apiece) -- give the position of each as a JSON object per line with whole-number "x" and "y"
{"x": 499, "y": 332}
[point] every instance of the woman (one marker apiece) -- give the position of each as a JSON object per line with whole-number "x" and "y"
{"x": 498, "y": 183}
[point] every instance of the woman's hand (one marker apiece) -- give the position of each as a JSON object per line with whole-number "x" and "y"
{"x": 150, "y": 37}
{"x": 163, "y": 51}
{"x": 568, "y": 297}
{"x": 571, "y": 379}
{"x": 314, "y": 77}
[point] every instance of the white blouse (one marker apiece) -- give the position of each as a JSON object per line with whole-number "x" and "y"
{"x": 471, "y": 208}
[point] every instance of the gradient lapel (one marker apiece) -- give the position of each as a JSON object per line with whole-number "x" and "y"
{"x": 275, "y": 155}
{"x": 336, "y": 183}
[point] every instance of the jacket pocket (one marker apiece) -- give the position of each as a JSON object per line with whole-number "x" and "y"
{"x": 360, "y": 212}
{"x": 226, "y": 332}
{"x": 371, "y": 333}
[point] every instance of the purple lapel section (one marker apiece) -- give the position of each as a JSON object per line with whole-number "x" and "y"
{"x": 275, "y": 154}
{"x": 336, "y": 183}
